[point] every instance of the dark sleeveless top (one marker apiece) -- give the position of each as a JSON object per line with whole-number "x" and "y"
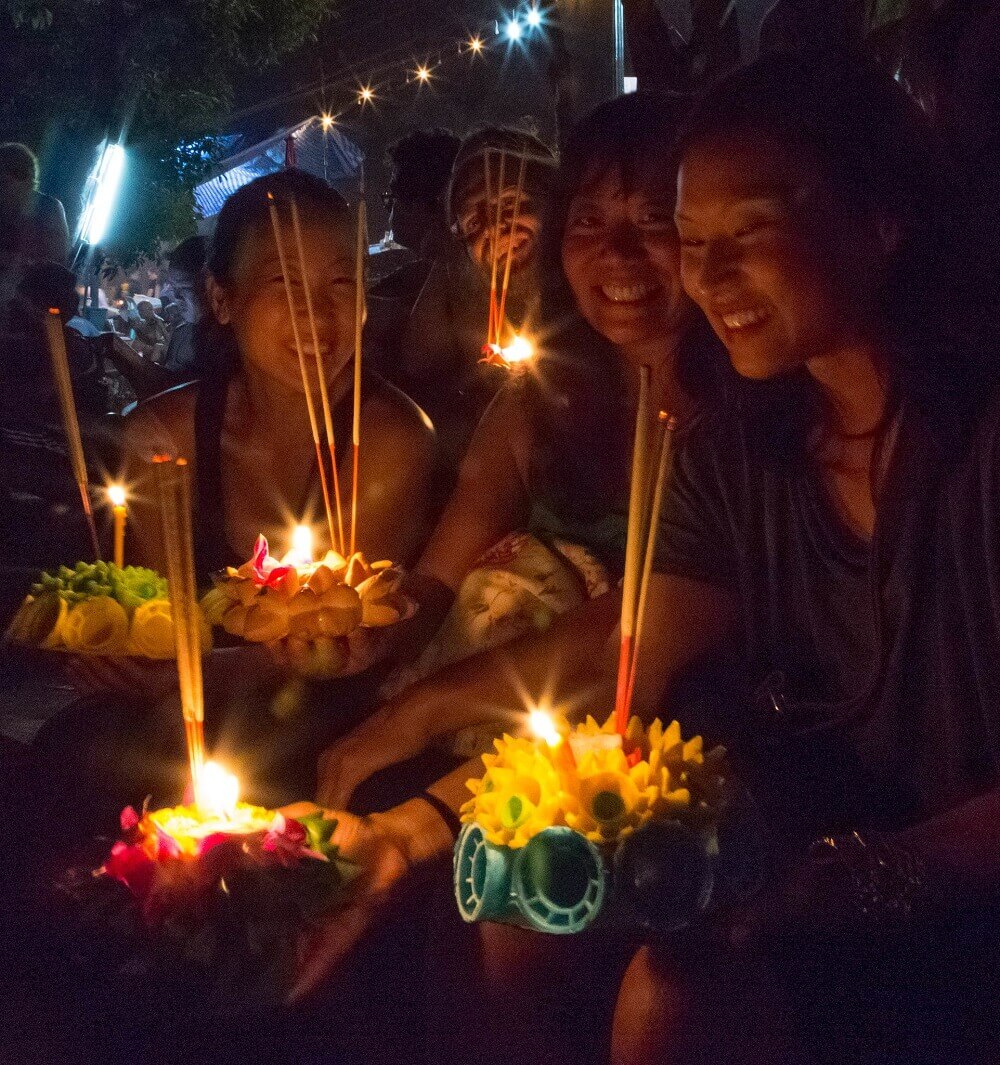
{"x": 212, "y": 549}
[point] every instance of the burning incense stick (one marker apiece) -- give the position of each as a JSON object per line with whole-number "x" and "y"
{"x": 174, "y": 484}
{"x": 494, "y": 336}
{"x": 633, "y": 558}
{"x": 67, "y": 404}
{"x": 518, "y": 192}
{"x": 321, "y": 374}
{"x": 303, "y": 368}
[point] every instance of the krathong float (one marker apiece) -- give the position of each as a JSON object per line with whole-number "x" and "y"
{"x": 632, "y": 822}
{"x": 97, "y": 608}
{"x": 568, "y": 824}
{"x": 215, "y": 893}
{"x": 315, "y": 605}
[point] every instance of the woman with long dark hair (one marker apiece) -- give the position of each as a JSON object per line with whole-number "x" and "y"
{"x": 552, "y": 453}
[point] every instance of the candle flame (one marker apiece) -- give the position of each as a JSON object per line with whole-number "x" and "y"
{"x": 116, "y": 493}
{"x": 220, "y": 791}
{"x": 543, "y": 726}
{"x": 520, "y": 349}
{"x": 302, "y": 544}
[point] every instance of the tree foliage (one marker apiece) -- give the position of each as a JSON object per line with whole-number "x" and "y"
{"x": 162, "y": 71}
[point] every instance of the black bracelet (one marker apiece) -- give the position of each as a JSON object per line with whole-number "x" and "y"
{"x": 446, "y": 813}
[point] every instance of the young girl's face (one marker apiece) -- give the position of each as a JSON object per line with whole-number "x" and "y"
{"x": 255, "y": 303}
{"x": 784, "y": 269}
{"x": 620, "y": 256}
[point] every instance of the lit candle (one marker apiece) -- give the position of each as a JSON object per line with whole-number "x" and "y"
{"x": 220, "y": 792}
{"x": 542, "y": 725}
{"x": 302, "y": 545}
{"x": 116, "y": 494}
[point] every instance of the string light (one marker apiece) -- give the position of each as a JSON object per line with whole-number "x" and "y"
{"x": 366, "y": 94}
{"x": 513, "y": 29}
{"x": 476, "y": 45}
{"x": 423, "y": 74}
{"x": 534, "y": 17}
{"x": 327, "y": 121}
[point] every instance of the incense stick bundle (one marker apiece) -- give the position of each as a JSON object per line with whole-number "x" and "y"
{"x": 518, "y": 192}
{"x": 321, "y": 374}
{"x": 359, "y": 313}
{"x": 173, "y": 481}
{"x": 633, "y": 547}
{"x": 71, "y": 425}
{"x": 303, "y": 368}
{"x": 494, "y": 336}
{"x": 665, "y": 450}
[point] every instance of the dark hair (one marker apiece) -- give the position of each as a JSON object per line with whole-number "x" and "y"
{"x": 583, "y": 394}
{"x": 189, "y": 256}
{"x": 876, "y": 152}
{"x": 468, "y": 166}
{"x": 245, "y": 212}
{"x": 19, "y": 162}
{"x": 421, "y": 164}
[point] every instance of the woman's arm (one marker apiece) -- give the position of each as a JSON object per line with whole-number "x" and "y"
{"x": 572, "y": 665}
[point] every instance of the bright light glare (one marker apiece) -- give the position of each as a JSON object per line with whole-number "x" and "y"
{"x": 514, "y": 29}
{"x": 105, "y": 181}
{"x": 520, "y": 349}
{"x": 534, "y": 17}
{"x": 302, "y": 543}
{"x": 542, "y": 725}
{"x": 423, "y": 74}
{"x": 220, "y": 791}
{"x": 116, "y": 493}
{"x": 327, "y": 121}
{"x": 366, "y": 95}
{"x": 476, "y": 45}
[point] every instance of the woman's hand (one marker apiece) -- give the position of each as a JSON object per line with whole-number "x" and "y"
{"x": 388, "y": 847}
{"x": 380, "y": 741}
{"x": 327, "y": 657}
{"x": 136, "y": 678}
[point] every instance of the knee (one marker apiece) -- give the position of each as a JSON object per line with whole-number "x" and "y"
{"x": 649, "y": 1014}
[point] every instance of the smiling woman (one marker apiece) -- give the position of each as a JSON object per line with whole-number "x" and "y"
{"x": 245, "y": 426}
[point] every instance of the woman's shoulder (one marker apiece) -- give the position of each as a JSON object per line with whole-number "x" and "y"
{"x": 164, "y": 423}
{"x": 396, "y": 417}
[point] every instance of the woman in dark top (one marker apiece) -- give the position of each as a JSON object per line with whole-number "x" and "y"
{"x": 552, "y": 453}
{"x": 841, "y": 527}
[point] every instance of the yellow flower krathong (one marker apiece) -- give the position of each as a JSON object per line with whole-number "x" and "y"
{"x": 526, "y": 789}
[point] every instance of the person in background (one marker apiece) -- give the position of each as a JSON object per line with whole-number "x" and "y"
{"x": 183, "y": 298}
{"x": 442, "y": 346}
{"x": 416, "y": 200}
{"x": 32, "y": 225}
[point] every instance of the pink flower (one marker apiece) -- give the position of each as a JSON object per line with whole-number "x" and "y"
{"x": 133, "y": 867}
{"x": 286, "y": 840}
{"x": 129, "y": 819}
{"x": 267, "y": 571}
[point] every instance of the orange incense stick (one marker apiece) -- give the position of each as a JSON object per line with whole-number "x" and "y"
{"x": 71, "y": 425}
{"x": 303, "y": 368}
{"x": 321, "y": 374}
{"x": 518, "y": 191}
{"x": 489, "y": 196}
{"x": 494, "y": 337}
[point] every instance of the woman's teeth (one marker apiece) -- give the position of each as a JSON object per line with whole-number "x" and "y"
{"x": 626, "y": 293}
{"x": 742, "y": 319}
